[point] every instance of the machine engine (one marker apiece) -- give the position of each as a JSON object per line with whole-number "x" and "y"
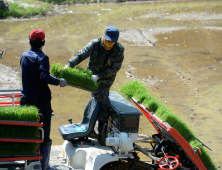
{"x": 123, "y": 124}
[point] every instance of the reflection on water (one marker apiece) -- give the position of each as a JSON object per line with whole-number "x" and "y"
{"x": 184, "y": 70}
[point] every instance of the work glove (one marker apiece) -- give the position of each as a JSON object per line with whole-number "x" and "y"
{"x": 95, "y": 77}
{"x": 66, "y": 66}
{"x": 63, "y": 83}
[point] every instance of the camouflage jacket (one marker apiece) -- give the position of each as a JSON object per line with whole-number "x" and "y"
{"x": 104, "y": 66}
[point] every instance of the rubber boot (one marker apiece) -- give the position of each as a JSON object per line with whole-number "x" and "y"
{"x": 45, "y": 152}
{"x": 102, "y": 128}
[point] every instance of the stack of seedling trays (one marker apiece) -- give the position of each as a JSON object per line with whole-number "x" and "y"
{"x": 20, "y": 133}
{"x": 156, "y": 112}
{"x": 76, "y": 77}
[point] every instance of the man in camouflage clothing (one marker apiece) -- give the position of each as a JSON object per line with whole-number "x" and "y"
{"x": 105, "y": 59}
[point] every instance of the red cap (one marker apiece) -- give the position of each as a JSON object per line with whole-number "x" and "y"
{"x": 37, "y": 35}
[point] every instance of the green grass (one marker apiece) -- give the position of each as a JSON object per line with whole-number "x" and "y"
{"x": 138, "y": 91}
{"x": 17, "y": 10}
{"x": 65, "y": 1}
{"x": 77, "y": 76}
{"x": 73, "y": 1}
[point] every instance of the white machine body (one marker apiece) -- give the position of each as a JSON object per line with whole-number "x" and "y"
{"x": 122, "y": 141}
{"x": 87, "y": 157}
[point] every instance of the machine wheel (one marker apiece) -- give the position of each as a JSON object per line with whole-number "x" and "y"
{"x": 129, "y": 164}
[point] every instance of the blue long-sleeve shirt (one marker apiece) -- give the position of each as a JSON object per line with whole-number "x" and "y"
{"x": 35, "y": 75}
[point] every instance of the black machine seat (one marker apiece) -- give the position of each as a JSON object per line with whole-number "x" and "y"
{"x": 86, "y": 127}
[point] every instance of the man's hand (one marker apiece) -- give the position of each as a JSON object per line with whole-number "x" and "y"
{"x": 66, "y": 66}
{"x": 95, "y": 77}
{"x": 63, "y": 82}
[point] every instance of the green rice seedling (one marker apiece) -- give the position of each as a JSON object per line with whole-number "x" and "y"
{"x": 14, "y": 148}
{"x": 28, "y": 132}
{"x": 151, "y": 103}
{"x": 205, "y": 157}
{"x": 2, "y": 132}
{"x": 161, "y": 110}
{"x": 129, "y": 89}
{"x": 195, "y": 143}
{"x": 3, "y": 114}
{"x": 17, "y": 149}
{"x": 184, "y": 130}
{"x": 8, "y": 148}
{"x": 84, "y": 80}
{"x": 33, "y": 113}
{"x": 77, "y": 76}
{"x": 14, "y": 131}
{"x": 140, "y": 95}
{"x": 169, "y": 117}
{"x": 24, "y": 113}
{"x": 21, "y": 113}
{"x": 18, "y": 131}
{"x": 81, "y": 78}
{"x": 55, "y": 69}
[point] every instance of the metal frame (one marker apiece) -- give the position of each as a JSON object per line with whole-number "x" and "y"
{"x": 10, "y": 94}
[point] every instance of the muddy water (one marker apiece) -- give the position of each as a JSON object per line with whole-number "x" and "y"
{"x": 176, "y": 54}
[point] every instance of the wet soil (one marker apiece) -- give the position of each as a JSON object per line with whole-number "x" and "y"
{"x": 176, "y": 54}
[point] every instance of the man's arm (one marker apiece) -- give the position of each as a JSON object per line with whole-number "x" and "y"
{"x": 114, "y": 68}
{"x": 45, "y": 75}
{"x": 81, "y": 55}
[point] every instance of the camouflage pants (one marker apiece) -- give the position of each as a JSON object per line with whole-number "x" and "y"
{"x": 102, "y": 96}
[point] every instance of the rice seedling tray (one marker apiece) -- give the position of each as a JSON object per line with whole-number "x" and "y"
{"x": 24, "y": 140}
{"x": 5, "y": 104}
{"x": 173, "y": 132}
{"x": 13, "y": 151}
{"x": 22, "y": 155}
{"x": 82, "y": 88}
{"x": 76, "y": 77}
{"x": 20, "y": 123}
{"x": 20, "y": 158}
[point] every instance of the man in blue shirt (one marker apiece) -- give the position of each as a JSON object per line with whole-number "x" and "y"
{"x": 35, "y": 89}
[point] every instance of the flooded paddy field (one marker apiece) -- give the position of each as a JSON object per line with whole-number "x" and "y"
{"x": 173, "y": 47}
